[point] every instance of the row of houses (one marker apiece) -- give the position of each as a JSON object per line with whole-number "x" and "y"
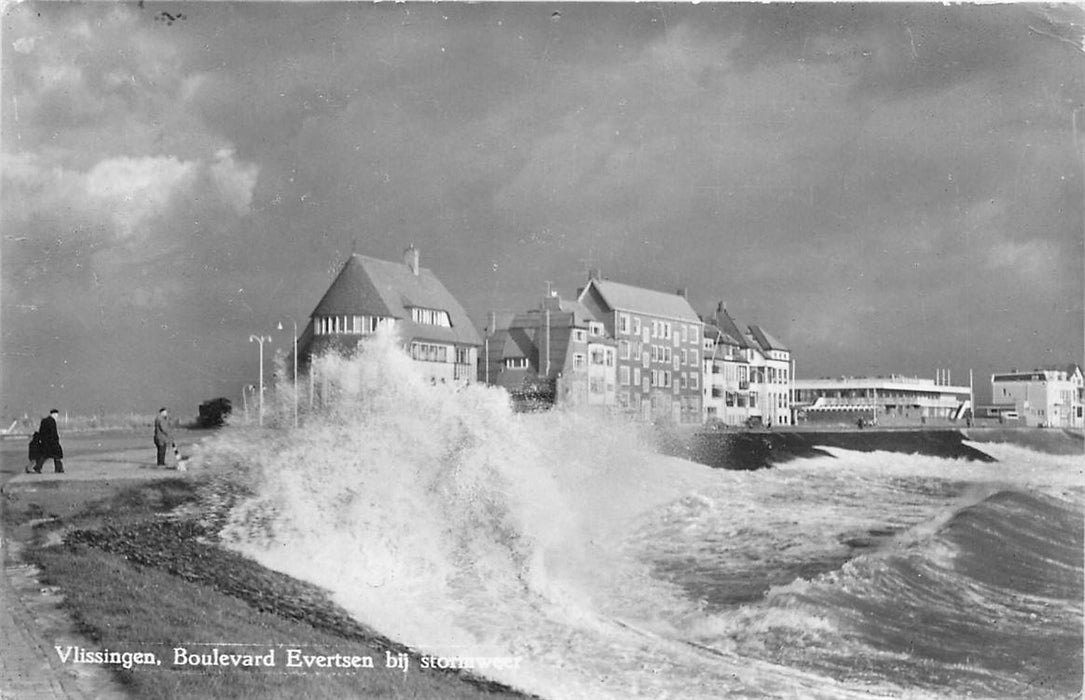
{"x": 620, "y": 348}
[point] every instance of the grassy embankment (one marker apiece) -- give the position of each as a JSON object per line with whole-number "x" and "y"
{"x": 140, "y": 572}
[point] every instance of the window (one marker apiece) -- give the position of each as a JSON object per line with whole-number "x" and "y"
{"x": 597, "y": 356}
{"x": 665, "y": 354}
{"x": 636, "y": 325}
{"x": 623, "y": 323}
{"x": 685, "y": 355}
{"x": 596, "y": 385}
{"x": 623, "y": 349}
{"x": 676, "y": 364}
{"x": 645, "y": 335}
{"x": 579, "y": 336}
{"x": 515, "y": 363}
{"x": 636, "y": 376}
{"x": 666, "y": 377}
{"x": 623, "y": 375}
{"x": 430, "y": 317}
{"x": 463, "y": 356}
{"x": 646, "y": 359}
{"x": 596, "y": 329}
{"x": 666, "y": 330}
{"x": 428, "y": 352}
{"x": 330, "y": 325}
{"x": 685, "y": 333}
{"x": 694, "y": 359}
{"x": 579, "y": 360}
{"x": 694, "y": 381}
{"x": 684, "y": 380}
{"x": 609, "y": 353}
{"x": 693, "y": 333}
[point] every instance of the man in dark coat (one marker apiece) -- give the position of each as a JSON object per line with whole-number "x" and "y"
{"x": 162, "y": 435}
{"x": 49, "y": 440}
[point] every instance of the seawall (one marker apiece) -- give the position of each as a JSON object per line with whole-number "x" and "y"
{"x": 747, "y": 450}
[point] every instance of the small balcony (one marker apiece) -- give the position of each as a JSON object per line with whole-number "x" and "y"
{"x": 461, "y": 371}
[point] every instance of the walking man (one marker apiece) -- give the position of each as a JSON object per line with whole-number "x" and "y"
{"x": 162, "y": 435}
{"x": 49, "y": 447}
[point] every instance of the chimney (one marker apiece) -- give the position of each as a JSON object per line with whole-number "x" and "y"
{"x": 410, "y": 257}
{"x": 683, "y": 292}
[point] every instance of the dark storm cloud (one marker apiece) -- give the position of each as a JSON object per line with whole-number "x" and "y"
{"x": 848, "y": 176}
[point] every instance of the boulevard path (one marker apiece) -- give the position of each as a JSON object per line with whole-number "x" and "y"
{"x": 32, "y": 621}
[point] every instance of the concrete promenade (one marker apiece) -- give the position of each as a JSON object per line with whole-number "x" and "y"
{"x": 32, "y": 620}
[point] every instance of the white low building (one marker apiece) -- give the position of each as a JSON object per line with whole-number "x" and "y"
{"x": 1041, "y": 397}
{"x": 892, "y": 400}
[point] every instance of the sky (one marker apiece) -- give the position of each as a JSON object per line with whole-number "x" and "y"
{"x": 886, "y": 188}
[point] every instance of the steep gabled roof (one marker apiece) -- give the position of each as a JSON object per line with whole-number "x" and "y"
{"x": 766, "y": 341}
{"x": 371, "y": 287}
{"x": 728, "y": 327}
{"x": 625, "y": 297}
{"x": 581, "y": 315}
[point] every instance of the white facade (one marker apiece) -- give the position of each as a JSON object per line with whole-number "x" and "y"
{"x": 747, "y": 381}
{"x": 1042, "y": 398}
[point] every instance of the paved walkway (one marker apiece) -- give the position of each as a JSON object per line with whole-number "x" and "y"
{"x": 32, "y": 621}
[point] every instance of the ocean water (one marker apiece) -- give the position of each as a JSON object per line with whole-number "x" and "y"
{"x": 444, "y": 520}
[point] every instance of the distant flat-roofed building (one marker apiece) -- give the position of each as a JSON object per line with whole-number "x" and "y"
{"x": 659, "y": 345}
{"x": 369, "y": 293}
{"x": 1040, "y": 397}
{"x": 892, "y": 400}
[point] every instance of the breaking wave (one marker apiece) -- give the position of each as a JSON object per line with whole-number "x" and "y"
{"x": 445, "y": 520}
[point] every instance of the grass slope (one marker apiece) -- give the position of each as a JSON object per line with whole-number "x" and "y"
{"x": 141, "y": 572}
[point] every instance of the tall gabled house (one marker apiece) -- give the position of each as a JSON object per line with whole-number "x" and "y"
{"x": 369, "y": 293}
{"x": 747, "y": 373}
{"x": 659, "y": 349}
{"x": 557, "y": 354}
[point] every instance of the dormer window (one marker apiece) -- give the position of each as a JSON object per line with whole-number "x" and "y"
{"x": 515, "y": 363}
{"x": 430, "y": 317}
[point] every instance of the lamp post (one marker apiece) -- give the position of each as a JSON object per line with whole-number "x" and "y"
{"x": 261, "y": 339}
{"x": 295, "y": 367}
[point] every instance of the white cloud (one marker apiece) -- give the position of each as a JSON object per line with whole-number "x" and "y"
{"x": 235, "y": 180}
{"x": 136, "y": 190}
{"x": 1033, "y": 259}
{"x": 123, "y": 200}
{"x": 24, "y": 44}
